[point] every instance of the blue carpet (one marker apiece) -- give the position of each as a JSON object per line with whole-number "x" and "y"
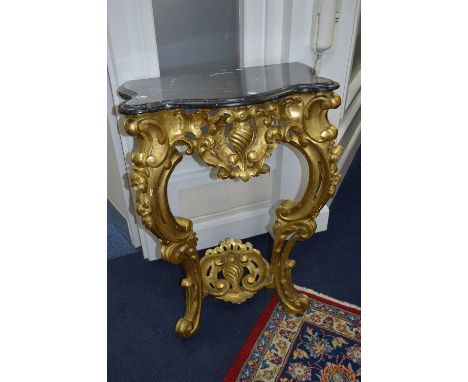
{"x": 145, "y": 301}
{"x": 118, "y": 237}
{"x": 117, "y": 244}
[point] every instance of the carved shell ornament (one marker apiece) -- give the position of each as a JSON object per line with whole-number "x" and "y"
{"x": 234, "y": 271}
{"x": 239, "y": 141}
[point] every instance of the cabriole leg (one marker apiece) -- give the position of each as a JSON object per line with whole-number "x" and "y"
{"x": 185, "y": 253}
{"x": 155, "y": 159}
{"x": 308, "y": 130}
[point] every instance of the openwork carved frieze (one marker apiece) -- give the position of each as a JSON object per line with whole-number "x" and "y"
{"x": 238, "y": 141}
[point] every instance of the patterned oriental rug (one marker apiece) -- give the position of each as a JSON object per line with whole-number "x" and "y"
{"x": 323, "y": 344}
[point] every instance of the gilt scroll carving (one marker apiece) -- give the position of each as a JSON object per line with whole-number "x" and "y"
{"x": 238, "y": 141}
{"x": 234, "y": 271}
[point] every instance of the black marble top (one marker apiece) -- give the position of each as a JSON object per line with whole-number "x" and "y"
{"x": 223, "y": 88}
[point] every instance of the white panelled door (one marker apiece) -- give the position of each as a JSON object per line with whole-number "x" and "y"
{"x": 272, "y": 31}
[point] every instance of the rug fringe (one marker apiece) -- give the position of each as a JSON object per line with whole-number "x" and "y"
{"x": 327, "y": 297}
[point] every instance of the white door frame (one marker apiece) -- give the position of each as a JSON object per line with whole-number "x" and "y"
{"x": 119, "y": 157}
{"x": 131, "y": 54}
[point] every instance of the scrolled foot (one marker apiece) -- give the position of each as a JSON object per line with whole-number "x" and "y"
{"x": 286, "y": 235}
{"x": 185, "y": 328}
{"x": 188, "y": 325}
{"x": 294, "y": 302}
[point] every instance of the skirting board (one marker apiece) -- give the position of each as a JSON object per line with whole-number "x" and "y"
{"x": 210, "y": 232}
{"x": 354, "y": 145}
{"x": 243, "y": 224}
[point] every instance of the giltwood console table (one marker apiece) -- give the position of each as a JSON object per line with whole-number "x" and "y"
{"x": 232, "y": 120}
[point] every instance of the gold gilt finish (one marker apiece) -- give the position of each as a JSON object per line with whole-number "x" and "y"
{"x": 234, "y": 271}
{"x": 237, "y": 141}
